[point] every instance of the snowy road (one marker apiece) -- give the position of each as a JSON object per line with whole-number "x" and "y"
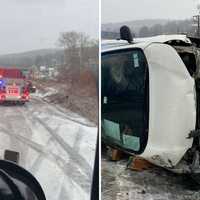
{"x": 119, "y": 183}
{"x": 57, "y": 147}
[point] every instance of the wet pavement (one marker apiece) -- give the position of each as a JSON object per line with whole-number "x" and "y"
{"x": 120, "y": 183}
{"x": 55, "y": 145}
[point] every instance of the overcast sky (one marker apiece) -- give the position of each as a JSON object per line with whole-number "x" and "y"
{"x": 119, "y": 11}
{"x": 36, "y": 24}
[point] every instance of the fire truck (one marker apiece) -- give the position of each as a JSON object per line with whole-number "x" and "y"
{"x": 14, "y": 86}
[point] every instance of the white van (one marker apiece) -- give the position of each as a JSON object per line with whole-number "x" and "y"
{"x": 151, "y": 99}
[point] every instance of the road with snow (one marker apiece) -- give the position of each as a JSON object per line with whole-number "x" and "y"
{"x": 55, "y": 145}
{"x": 120, "y": 183}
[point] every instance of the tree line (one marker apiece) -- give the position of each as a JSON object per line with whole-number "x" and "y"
{"x": 148, "y": 29}
{"x": 171, "y": 27}
{"x": 75, "y": 49}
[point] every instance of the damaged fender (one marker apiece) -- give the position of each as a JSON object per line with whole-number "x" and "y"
{"x": 172, "y": 106}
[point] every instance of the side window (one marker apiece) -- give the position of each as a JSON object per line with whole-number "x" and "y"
{"x": 125, "y": 99}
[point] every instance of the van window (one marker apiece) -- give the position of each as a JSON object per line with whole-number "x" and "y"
{"x": 125, "y": 99}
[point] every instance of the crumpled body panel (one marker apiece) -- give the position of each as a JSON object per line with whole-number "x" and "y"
{"x": 172, "y": 110}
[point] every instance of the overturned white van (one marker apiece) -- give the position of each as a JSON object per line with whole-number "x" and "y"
{"x": 151, "y": 99}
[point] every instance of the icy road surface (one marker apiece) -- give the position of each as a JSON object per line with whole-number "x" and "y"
{"x": 55, "y": 146}
{"x": 119, "y": 183}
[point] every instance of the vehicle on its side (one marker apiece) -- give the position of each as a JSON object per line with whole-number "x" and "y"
{"x": 151, "y": 99}
{"x": 13, "y": 86}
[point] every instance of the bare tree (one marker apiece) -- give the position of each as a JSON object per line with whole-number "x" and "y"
{"x": 74, "y": 44}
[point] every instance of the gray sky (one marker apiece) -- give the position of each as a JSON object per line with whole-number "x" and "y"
{"x": 118, "y": 10}
{"x": 35, "y": 24}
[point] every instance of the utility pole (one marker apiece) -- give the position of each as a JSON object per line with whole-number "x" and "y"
{"x": 196, "y": 20}
{"x": 198, "y": 26}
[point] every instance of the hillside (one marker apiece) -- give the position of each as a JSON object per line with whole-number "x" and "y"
{"x": 135, "y": 24}
{"x": 35, "y": 57}
{"x": 149, "y": 27}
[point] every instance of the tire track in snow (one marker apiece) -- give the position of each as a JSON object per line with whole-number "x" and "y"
{"x": 70, "y": 170}
{"x": 78, "y": 161}
{"x": 15, "y": 124}
{"x": 77, "y": 169}
{"x": 77, "y": 158}
{"x": 72, "y": 151}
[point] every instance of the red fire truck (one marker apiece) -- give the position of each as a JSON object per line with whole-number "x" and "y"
{"x": 13, "y": 86}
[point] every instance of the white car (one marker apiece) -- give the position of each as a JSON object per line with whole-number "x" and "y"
{"x": 150, "y": 99}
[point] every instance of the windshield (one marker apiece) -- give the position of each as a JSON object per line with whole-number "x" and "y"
{"x": 49, "y": 93}
{"x": 125, "y": 99}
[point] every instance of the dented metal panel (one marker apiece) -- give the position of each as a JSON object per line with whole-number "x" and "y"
{"x": 172, "y": 113}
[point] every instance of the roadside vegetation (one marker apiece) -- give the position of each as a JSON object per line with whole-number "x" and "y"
{"x": 74, "y": 62}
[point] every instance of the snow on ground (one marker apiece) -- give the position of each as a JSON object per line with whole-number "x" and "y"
{"x": 56, "y": 146}
{"x": 49, "y": 91}
{"x": 119, "y": 183}
{"x": 46, "y": 96}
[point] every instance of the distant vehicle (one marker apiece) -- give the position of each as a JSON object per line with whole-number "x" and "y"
{"x": 13, "y": 86}
{"x": 151, "y": 99}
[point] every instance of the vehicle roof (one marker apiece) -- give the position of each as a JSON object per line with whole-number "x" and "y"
{"x": 108, "y": 45}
